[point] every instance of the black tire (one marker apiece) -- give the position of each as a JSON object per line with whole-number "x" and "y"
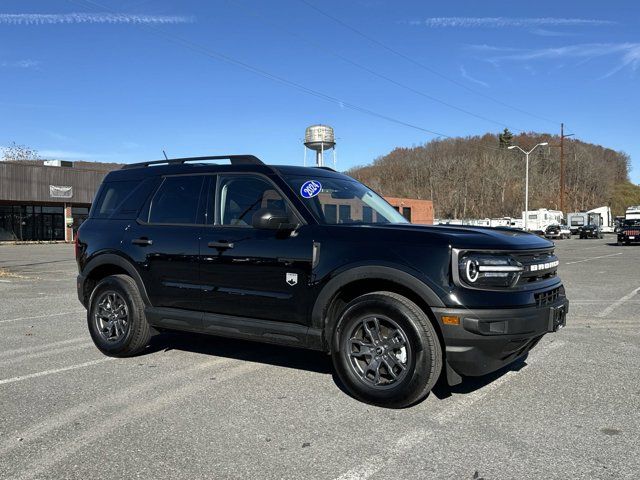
{"x": 135, "y": 335}
{"x": 406, "y": 382}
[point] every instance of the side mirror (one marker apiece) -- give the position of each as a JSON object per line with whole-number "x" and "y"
{"x": 269, "y": 219}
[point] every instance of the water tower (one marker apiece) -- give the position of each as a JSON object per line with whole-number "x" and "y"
{"x": 319, "y": 138}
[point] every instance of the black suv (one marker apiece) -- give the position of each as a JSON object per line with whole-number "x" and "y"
{"x": 311, "y": 258}
{"x": 629, "y": 232}
{"x": 591, "y": 231}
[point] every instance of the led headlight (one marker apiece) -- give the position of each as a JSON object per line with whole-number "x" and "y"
{"x": 486, "y": 270}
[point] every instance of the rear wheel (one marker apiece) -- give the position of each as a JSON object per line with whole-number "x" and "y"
{"x": 115, "y": 317}
{"x": 386, "y": 351}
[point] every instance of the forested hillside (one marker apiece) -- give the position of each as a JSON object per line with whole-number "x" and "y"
{"x": 477, "y": 177}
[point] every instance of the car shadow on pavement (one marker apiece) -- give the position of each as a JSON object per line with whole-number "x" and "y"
{"x": 470, "y": 384}
{"x": 297, "y": 358}
{"x": 277, "y": 355}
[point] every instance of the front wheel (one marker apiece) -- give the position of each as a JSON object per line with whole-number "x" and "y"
{"x": 386, "y": 351}
{"x": 116, "y": 319}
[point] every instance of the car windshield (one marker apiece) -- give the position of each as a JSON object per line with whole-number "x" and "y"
{"x": 632, "y": 223}
{"x": 342, "y": 201}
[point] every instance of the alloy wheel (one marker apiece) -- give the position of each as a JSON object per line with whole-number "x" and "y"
{"x": 111, "y": 316}
{"x": 378, "y": 351}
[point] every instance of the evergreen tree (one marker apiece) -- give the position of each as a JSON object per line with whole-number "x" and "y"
{"x": 506, "y": 138}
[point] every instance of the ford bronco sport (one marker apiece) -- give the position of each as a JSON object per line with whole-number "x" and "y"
{"x": 311, "y": 258}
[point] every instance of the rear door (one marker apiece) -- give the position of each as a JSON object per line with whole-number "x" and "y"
{"x": 253, "y": 272}
{"x": 165, "y": 241}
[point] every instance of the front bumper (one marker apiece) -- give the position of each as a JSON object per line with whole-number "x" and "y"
{"x": 488, "y": 339}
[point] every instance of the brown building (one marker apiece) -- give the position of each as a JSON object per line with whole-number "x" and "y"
{"x": 416, "y": 211}
{"x": 42, "y": 201}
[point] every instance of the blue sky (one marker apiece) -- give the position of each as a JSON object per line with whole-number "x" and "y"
{"x": 116, "y": 80}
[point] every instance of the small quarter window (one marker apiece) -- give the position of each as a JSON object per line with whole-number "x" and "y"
{"x": 176, "y": 201}
{"x": 112, "y": 197}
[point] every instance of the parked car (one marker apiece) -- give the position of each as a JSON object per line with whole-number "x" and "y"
{"x": 591, "y": 231}
{"x": 557, "y": 231}
{"x": 311, "y": 258}
{"x": 629, "y": 232}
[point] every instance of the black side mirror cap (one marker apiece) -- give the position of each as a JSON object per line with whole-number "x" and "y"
{"x": 270, "y": 219}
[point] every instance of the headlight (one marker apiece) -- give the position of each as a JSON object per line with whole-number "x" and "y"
{"x": 486, "y": 270}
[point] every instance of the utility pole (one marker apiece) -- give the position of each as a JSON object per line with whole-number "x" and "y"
{"x": 562, "y": 167}
{"x": 562, "y": 189}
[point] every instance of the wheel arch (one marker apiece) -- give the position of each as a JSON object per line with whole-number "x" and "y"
{"x": 110, "y": 264}
{"x": 365, "y": 279}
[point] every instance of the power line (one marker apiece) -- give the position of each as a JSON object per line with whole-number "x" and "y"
{"x": 208, "y": 52}
{"x": 360, "y": 66}
{"x": 422, "y": 65}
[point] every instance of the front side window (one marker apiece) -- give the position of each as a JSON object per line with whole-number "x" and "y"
{"x": 343, "y": 201}
{"x": 176, "y": 201}
{"x": 242, "y": 196}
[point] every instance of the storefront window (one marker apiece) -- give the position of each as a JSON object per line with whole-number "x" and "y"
{"x": 31, "y": 222}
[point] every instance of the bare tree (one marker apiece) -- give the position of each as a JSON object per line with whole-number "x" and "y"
{"x": 18, "y": 153}
{"x": 473, "y": 177}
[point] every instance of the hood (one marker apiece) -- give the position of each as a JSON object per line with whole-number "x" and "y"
{"x": 500, "y": 238}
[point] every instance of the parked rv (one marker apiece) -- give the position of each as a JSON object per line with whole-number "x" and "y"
{"x": 539, "y": 220}
{"x": 606, "y": 219}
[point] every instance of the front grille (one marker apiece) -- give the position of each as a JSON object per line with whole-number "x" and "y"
{"x": 538, "y": 266}
{"x": 549, "y": 297}
{"x": 631, "y": 232}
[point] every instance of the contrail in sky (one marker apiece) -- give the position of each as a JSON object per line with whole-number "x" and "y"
{"x": 88, "y": 18}
{"x": 498, "y": 22}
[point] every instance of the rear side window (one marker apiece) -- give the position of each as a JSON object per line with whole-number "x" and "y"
{"x": 176, "y": 201}
{"x": 112, "y": 196}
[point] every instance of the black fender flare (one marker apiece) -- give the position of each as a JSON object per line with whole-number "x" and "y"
{"x": 328, "y": 292}
{"x": 118, "y": 261}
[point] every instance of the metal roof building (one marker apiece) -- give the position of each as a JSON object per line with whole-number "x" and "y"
{"x": 46, "y": 200}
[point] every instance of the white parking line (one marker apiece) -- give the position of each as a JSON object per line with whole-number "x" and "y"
{"x": 455, "y": 406}
{"x": 617, "y": 303}
{"x": 374, "y": 464}
{"x": 40, "y": 316}
{"x": 56, "y": 370}
{"x": 594, "y": 258}
{"x": 45, "y": 346}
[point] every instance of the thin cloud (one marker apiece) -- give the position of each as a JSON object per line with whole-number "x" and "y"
{"x": 543, "y": 32}
{"x": 502, "y": 22}
{"x": 466, "y": 76}
{"x": 20, "y": 64}
{"x": 30, "y": 19}
{"x": 628, "y": 54}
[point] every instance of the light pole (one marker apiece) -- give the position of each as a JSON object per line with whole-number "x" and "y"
{"x": 526, "y": 181}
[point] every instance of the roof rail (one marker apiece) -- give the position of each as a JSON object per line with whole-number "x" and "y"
{"x": 235, "y": 160}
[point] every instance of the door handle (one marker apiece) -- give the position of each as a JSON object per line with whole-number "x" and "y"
{"x": 142, "y": 241}
{"x": 220, "y": 245}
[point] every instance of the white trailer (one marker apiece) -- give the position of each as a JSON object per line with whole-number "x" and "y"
{"x": 607, "y": 225}
{"x": 539, "y": 220}
{"x": 632, "y": 213}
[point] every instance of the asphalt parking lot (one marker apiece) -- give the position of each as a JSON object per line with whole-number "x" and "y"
{"x": 204, "y": 407}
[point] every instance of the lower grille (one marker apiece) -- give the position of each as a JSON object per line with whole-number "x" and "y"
{"x": 549, "y": 297}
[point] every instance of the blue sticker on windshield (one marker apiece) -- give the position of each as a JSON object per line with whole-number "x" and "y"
{"x": 310, "y": 188}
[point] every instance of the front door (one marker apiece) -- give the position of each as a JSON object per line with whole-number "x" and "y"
{"x": 251, "y": 272}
